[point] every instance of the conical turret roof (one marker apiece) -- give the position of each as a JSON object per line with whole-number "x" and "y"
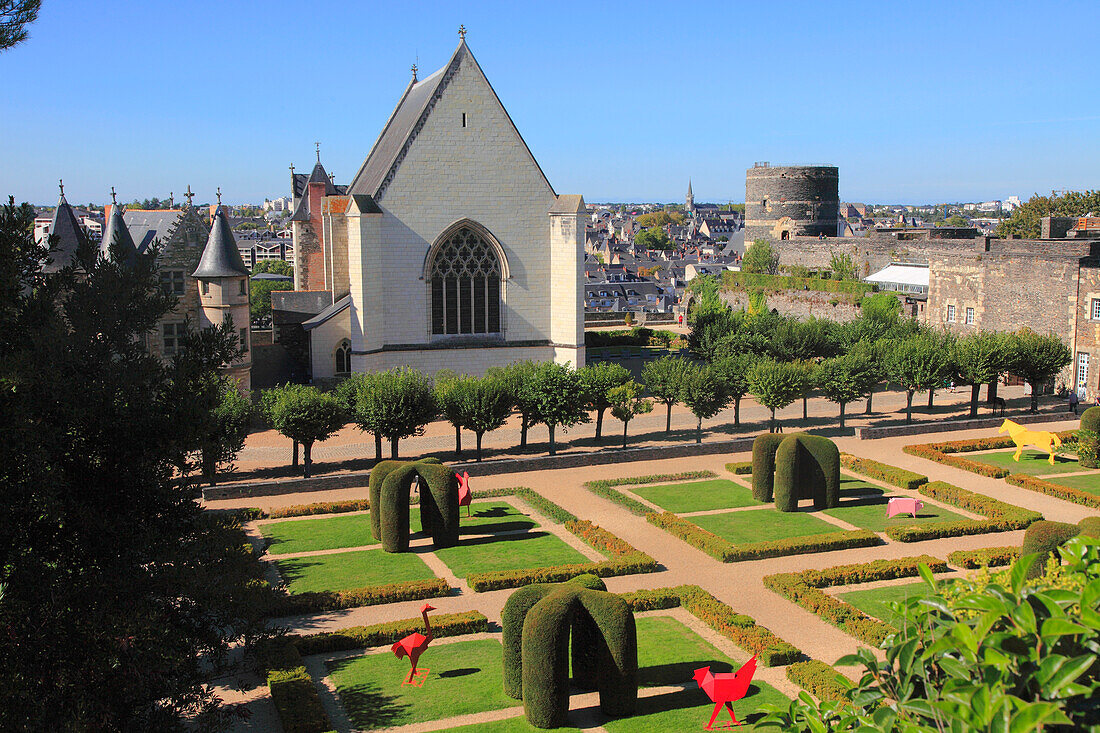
{"x": 116, "y": 238}
{"x": 70, "y": 237}
{"x": 221, "y": 258}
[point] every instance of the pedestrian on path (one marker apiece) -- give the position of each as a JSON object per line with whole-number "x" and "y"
{"x": 1073, "y": 399}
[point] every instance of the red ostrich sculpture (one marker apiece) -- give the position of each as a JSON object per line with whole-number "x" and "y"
{"x": 724, "y": 688}
{"x": 413, "y": 645}
{"x": 465, "y": 496}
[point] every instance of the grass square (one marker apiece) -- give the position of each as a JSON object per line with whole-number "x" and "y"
{"x": 851, "y": 486}
{"x": 508, "y": 725}
{"x": 763, "y": 524}
{"x": 509, "y": 552}
{"x": 669, "y": 652}
{"x": 493, "y": 516}
{"x": 870, "y": 513}
{"x": 465, "y": 678}
{"x": 347, "y": 570}
{"x": 310, "y": 535}
{"x": 697, "y": 496}
{"x": 1032, "y": 462}
{"x": 1086, "y": 482}
{"x": 873, "y": 602}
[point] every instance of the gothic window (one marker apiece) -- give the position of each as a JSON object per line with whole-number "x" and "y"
{"x": 343, "y": 357}
{"x": 465, "y": 277}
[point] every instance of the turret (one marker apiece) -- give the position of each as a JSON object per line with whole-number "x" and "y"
{"x": 116, "y": 237}
{"x": 224, "y": 289}
{"x": 69, "y": 235}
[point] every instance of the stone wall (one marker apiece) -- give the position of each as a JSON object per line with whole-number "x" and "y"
{"x": 801, "y": 304}
{"x": 800, "y": 200}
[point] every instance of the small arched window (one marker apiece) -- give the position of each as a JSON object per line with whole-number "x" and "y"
{"x": 465, "y": 277}
{"x": 343, "y": 357}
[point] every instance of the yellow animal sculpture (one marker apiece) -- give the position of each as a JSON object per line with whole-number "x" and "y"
{"x": 1021, "y": 436}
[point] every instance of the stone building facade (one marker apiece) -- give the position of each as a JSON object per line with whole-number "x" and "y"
{"x": 449, "y": 244}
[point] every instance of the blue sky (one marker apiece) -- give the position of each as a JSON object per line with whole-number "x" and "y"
{"x": 916, "y": 102}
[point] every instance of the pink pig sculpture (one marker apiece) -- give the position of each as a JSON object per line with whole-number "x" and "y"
{"x": 903, "y": 505}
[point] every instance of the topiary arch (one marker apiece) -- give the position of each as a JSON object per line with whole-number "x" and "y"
{"x": 537, "y": 623}
{"x": 793, "y": 467}
{"x": 390, "y": 490}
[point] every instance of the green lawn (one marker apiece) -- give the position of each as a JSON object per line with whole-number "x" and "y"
{"x": 763, "y": 524}
{"x": 493, "y": 516}
{"x": 347, "y": 570}
{"x": 465, "y": 678}
{"x": 511, "y": 552}
{"x": 871, "y": 514}
{"x": 1088, "y": 482}
{"x": 508, "y": 725}
{"x": 697, "y": 496}
{"x": 873, "y": 602}
{"x": 309, "y": 535}
{"x": 669, "y": 652}
{"x": 1031, "y": 462}
{"x": 852, "y": 486}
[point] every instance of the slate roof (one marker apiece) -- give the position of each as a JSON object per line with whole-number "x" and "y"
{"x": 220, "y": 257}
{"x": 300, "y": 183}
{"x": 148, "y": 226}
{"x": 70, "y": 237}
{"x": 117, "y": 235}
{"x": 327, "y": 313}
{"x": 407, "y": 119}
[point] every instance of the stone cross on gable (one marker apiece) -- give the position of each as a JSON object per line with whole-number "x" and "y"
{"x": 462, "y": 32}
{"x": 114, "y": 200}
{"x": 318, "y": 145}
{"x": 189, "y": 195}
{"x": 219, "y": 195}
{"x": 61, "y": 185}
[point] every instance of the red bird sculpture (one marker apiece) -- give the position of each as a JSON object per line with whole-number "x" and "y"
{"x": 413, "y": 645}
{"x": 724, "y": 688}
{"x": 464, "y": 495}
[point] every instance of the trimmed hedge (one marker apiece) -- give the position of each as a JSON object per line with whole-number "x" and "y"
{"x": 1044, "y": 538}
{"x": 820, "y": 680}
{"x": 750, "y": 280}
{"x": 364, "y": 637}
{"x": 323, "y": 507}
{"x": 544, "y": 655}
{"x": 740, "y": 468}
{"x": 806, "y": 467}
{"x": 892, "y": 475}
{"x": 804, "y": 588}
{"x": 987, "y": 557}
{"x": 1002, "y": 517}
{"x": 763, "y": 465}
{"x": 295, "y": 604}
{"x": 943, "y": 453}
{"x": 297, "y": 702}
{"x": 1068, "y": 493}
{"x": 439, "y": 515}
{"x": 605, "y": 488}
{"x": 723, "y": 550}
{"x": 1090, "y": 427}
{"x": 742, "y": 630}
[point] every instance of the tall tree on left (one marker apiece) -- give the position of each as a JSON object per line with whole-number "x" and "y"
{"x": 119, "y": 595}
{"x": 15, "y": 16}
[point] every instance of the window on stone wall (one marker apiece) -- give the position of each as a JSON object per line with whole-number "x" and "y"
{"x": 244, "y": 287}
{"x": 244, "y": 340}
{"x": 950, "y": 314}
{"x": 465, "y": 277}
{"x": 970, "y": 316}
{"x": 171, "y": 281}
{"x": 343, "y": 357}
{"x": 172, "y": 334}
{"x": 1096, "y": 309}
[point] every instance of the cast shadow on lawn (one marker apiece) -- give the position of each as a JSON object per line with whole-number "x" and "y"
{"x": 467, "y": 542}
{"x": 460, "y": 672}
{"x": 368, "y": 708}
{"x": 692, "y": 698}
{"x": 859, "y": 491}
{"x": 678, "y": 673}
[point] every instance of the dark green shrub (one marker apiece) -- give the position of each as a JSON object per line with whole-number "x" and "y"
{"x": 740, "y": 468}
{"x": 295, "y": 604}
{"x": 1088, "y": 438}
{"x": 362, "y": 637}
{"x": 987, "y": 557}
{"x": 819, "y": 679}
{"x": 806, "y": 467}
{"x": 438, "y": 503}
{"x": 1090, "y": 526}
{"x": 763, "y": 465}
{"x": 892, "y": 475}
{"x": 1090, "y": 419}
{"x": 1043, "y": 538}
{"x": 297, "y": 702}
{"x": 544, "y": 655}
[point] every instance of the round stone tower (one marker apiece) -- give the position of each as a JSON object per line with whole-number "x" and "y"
{"x": 224, "y": 291}
{"x": 791, "y": 201}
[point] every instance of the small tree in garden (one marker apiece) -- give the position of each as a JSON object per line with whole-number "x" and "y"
{"x": 307, "y": 415}
{"x": 979, "y": 359}
{"x": 774, "y": 385}
{"x": 552, "y": 393}
{"x": 228, "y": 428}
{"x": 847, "y": 378}
{"x": 400, "y": 404}
{"x": 514, "y": 377}
{"x": 483, "y": 405}
{"x": 627, "y": 403}
{"x": 449, "y": 396}
{"x": 761, "y": 257}
{"x": 664, "y": 378}
{"x": 733, "y": 372}
{"x": 596, "y": 381}
{"x": 917, "y": 364}
{"x": 268, "y": 400}
{"x": 805, "y": 374}
{"x": 1037, "y": 358}
{"x": 356, "y": 395}
{"x": 704, "y": 394}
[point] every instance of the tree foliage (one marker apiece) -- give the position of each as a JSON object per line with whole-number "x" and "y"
{"x": 979, "y": 359}
{"x": 483, "y": 405}
{"x": 596, "y": 381}
{"x": 627, "y": 403}
{"x": 552, "y": 395}
{"x": 306, "y": 415}
{"x": 514, "y": 377}
{"x": 704, "y": 393}
{"x": 660, "y": 219}
{"x": 733, "y": 372}
{"x": 15, "y": 16}
{"x": 844, "y": 379}
{"x": 654, "y": 238}
{"x": 775, "y": 385}
{"x": 397, "y": 404}
{"x": 1037, "y": 358}
{"x": 916, "y": 364}
{"x": 761, "y": 257}
{"x": 1024, "y": 220}
{"x": 664, "y": 378}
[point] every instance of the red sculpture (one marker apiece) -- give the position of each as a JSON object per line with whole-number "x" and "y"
{"x": 465, "y": 496}
{"x": 724, "y": 688}
{"x": 413, "y": 645}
